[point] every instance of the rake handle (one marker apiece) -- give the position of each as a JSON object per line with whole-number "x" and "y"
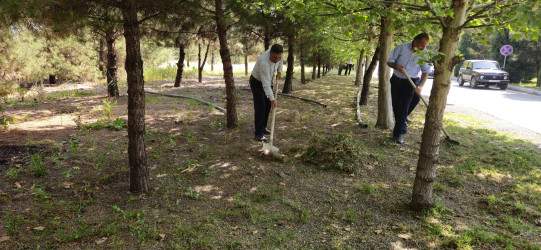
{"x": 424, "y": 101}
{"x": 271, "y": 139}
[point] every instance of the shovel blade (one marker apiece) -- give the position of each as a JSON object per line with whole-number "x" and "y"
{"x": 269, "y": 148}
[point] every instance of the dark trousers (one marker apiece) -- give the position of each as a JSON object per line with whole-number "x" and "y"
{"x": 262, "y": 106}
{"x": 415, "y": 99}
{"x": 401, "y": 95}
{"x": 348, "y": 69}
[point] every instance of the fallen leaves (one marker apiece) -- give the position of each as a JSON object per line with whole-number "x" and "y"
{"x": 100, "y": 240}
{"x": 406, "y": 236}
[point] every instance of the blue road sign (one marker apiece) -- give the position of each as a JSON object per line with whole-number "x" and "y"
{"x": 506, "y": 50}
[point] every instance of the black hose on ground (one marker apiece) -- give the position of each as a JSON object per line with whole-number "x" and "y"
{"x": 302, "y": 98}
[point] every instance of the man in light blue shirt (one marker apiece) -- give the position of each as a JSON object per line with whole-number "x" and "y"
{"x": 403, "y": 61}
{"x": 268, "y": 64}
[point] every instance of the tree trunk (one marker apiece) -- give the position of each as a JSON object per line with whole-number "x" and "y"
{"x": 139, "y": 176}
{"x": 288, "y": 84}
{"x": 359, "y": 71}
{"x": 212, "y": 59}
{"x": 201, "y": 64}
{"x": 266, "y": 39}
{"x": 365, "y": 93}
{"x": 368, "y": 62}
{"x": 112, "y": 78}
{"x": 303, "y": 76}
{"x": 318, "y": 67}
{"x": 314, "y": 62}
{"x": 52, "y": 79}
{"x": 246, "y": 64}
{"x": 102, "y": 57}
{"x": 232, "y": 120}
{"x": 385, "y": 111}
{"x": 188, "y": 59}
{"x": 538, "y": 61}
{"x": 422, "y": 197}
{"x": 180, "y": 64}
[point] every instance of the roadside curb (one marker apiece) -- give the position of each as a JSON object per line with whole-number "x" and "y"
{"x": 524, "y": 90}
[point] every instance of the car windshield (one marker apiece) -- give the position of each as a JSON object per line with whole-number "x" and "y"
{"x": 486, "y": 65}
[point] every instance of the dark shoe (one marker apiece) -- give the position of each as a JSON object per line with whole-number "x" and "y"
{"x": 266, "y": 132}
{"x": 398, "y": 139}
{"x": 261, "y": 138}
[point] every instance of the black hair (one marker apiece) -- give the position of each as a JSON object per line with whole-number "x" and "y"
{"x": 421, "y": 37}
{"x": 277, "y": 48}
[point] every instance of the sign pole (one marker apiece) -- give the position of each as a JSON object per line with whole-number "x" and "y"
{"x": 505, "y": 51}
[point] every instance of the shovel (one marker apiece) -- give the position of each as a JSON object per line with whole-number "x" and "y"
{"x": 268, "y": 148}
{"x": 447, "y": 136}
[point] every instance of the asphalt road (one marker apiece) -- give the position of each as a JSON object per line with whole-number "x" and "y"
{"x": 515, "y": 108}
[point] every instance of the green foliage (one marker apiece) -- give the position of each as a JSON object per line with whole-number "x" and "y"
{"x": 156, "y": 74}
{"x": 118, "y": 124}
{"x": 104, "y": 120}
{"x": 471, "y": 47}
{"x": 107, "y": 109}
{"x": 521, "y": 63}
{"x": 7, "y": 88}
{"x": 33, "y": 55}
{"x": 74, "y": 145}
{"x": 37, "y": 168}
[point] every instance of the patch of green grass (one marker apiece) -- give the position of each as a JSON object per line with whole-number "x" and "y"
{"x": 190, "y": 192}
{"x": 157, "y": 74}
{"x": 143, "y": 230}
{"x": 72, "y": 233}
{"x": 368, "y": 188}
{"x": 13, "y": 173}
{"x": 12, "y": 223}
{"x": 190, "y": 136}
{"x": 266, "y": 195}
{"x": 303, "y": 213}
{"x": 40, "y": 193}
{"x": 531, "y": 84}
{"x": 37, "y": 168}
{"x": 70, "y": 93}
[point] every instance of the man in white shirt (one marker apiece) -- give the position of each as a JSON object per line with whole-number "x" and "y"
{"x": 403, "y": 60}
{"x": 268, "y": 64}
{"x": 349, "y": 67}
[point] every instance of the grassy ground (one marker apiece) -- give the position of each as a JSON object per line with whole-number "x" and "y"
{"x": 531, "y": 84}
{"x": 64, "y": 176}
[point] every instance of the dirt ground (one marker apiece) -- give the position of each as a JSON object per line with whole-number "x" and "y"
{"x": 211, "y": 186}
